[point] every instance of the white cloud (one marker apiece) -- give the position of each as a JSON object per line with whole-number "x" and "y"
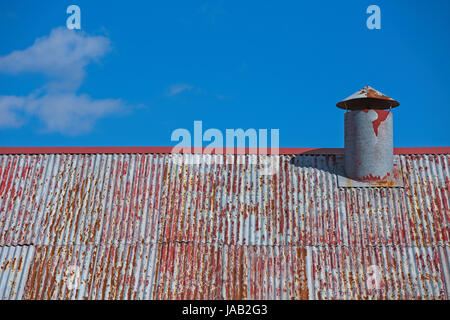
{"x": 63, "y": 112}
{"x": 178, "y": 88}
{"x": 70, "y": 113}
{"x": 62, "y": 57}
{"x": 10, "y": 107}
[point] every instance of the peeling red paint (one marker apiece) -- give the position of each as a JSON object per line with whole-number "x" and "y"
{"x": 381, "y": 116}
{"x": 223, "y": 231}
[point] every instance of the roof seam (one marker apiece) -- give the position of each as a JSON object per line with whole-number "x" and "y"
{"x": 234, "y": 151}
{"x": 444, "y": 245}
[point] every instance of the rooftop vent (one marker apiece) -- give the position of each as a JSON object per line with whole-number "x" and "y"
{"x": 369, "y": 150}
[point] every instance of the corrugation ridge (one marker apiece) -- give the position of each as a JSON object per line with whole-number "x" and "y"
{"x": 9, "y": 191}
{"x": 14, "y": 202}
{"x": 23, "y": 205}
{"x": 375, "y": 218}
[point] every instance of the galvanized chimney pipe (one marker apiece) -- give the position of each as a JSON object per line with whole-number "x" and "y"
{"x": 369, "y": 150}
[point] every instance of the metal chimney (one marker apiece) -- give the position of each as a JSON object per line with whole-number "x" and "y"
{"x": 369, "y": 151}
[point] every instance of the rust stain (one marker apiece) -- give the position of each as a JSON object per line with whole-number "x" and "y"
{"x": 139, "y": 227}
{"x": 302, "y": 277}
{"x": 371, "y": 93}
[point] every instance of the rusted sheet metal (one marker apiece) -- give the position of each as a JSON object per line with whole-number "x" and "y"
{"x": 109, "y": 211}
{"x": 14, "y": 267}
{"x": 394, "y": 180}
{"x": 168, "y": 150}
{"x": 367, "y": 92}
{"x": 168, "y": 271}
{"x": 131, "y": 199}
{"x": 205, "y": 271}
{"x": 403, "y": 273}
{"x": 367, "y": 98}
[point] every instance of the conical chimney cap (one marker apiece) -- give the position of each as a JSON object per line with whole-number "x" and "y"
{"x": 367, "y": 98}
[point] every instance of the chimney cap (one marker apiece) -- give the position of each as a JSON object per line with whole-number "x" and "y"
{"x": 367, "y": 98}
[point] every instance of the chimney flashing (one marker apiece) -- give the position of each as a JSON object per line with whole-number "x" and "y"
{"x": 392, "y": 181}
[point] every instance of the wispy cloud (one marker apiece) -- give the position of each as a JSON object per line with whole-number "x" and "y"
{"x": 10, "y": 107}
{"x": 60, "y": 112}
{"x": 62, "y": 57}
{"x": 179, "y": 88}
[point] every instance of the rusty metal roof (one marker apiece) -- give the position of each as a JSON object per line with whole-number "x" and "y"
{"x": 367, "y": 98}
{"x": 143, "y": 226}
{"x": 15, "y": 264}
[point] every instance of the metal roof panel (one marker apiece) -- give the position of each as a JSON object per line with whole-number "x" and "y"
{"x": 133, "y": 221}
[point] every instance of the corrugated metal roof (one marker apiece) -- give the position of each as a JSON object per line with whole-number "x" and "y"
{"x": 141, "y": 226}
{"x": 15, "y": 263}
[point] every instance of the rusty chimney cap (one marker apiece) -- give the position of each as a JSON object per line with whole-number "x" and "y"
{"x": 367, "y": 98}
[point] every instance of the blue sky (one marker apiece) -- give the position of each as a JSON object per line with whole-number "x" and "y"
{"x": 139, "y": 70}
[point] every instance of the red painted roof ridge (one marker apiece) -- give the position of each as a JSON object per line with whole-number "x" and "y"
{"x": 92, "y": 150}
